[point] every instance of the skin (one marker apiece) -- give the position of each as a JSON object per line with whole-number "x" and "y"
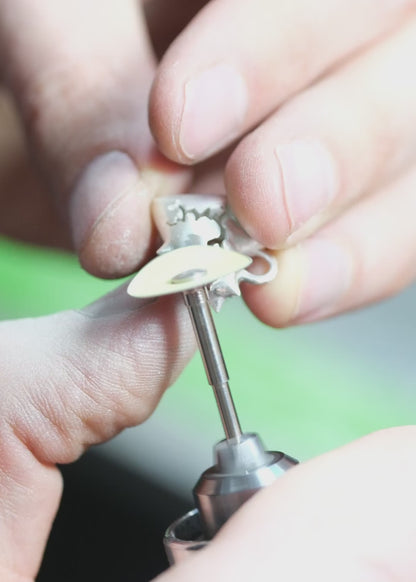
{"x": 71, "y": 380}
{"x": 303, "y": 114}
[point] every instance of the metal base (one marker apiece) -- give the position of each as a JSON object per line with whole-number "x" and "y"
{"x": 242, "y": 467}
{"x": 183, "y": 536}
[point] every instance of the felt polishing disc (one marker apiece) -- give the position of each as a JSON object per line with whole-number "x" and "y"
{"x": 185, "y": 268}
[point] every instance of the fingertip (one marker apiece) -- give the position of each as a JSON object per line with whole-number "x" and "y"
{"x": 313, "y": 282}
{"x": 255, "y": 191}
{"x": 276, "y": 303}
{"x": 196, "y": 110}
{"x": 328, "y": 275}
{"x": 164, "y": 114}
{"x": 110, "y": 216}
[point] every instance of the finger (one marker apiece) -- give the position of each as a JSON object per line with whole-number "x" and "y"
{"x": 68, "y": 381}
{"x": 366, "y": 255}
{"x": 238, "y": 60}
{"x": 81, "y": 79}
{"x": 343, "y": 516}
{"x": 330, "y": 145}
{"x": 27, "y": 211}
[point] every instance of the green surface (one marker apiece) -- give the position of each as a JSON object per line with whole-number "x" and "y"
{"x": 300, "y": 398}
{"x": 37, "y": 281}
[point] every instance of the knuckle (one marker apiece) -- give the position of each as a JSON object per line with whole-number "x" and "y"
{"x": 66, "y": 111}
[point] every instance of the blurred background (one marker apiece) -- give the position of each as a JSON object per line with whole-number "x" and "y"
{"x": 305, "y": 390}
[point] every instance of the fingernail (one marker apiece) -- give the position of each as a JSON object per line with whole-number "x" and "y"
{"x": 309, "y": 180}
{"x": 106, "y": 207}
{"x": 214, "y": 110}
{"x": 327, "y": 278}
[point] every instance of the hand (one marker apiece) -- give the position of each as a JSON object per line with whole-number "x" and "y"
{"x": 326, "y": 174}
{"x": 348, "y": 515}
{"x": 68, "y": 381}
{"x": 80, "y": 75}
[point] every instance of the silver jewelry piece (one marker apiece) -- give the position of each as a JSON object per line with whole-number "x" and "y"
{"x": 206, "y": 220}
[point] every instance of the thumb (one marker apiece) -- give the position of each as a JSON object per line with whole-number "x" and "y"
{"x": 347, "y": 516}
{"x": 68, "y": 381}
{"x": 80, "y": 73}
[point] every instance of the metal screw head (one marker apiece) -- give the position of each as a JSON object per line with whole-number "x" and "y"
{"x": 189, "y": 275}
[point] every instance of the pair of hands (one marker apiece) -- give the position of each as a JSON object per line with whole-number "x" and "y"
{"x": 320, "y": 101}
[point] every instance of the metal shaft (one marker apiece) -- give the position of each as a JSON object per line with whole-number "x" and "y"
{"x": 197, "y": 302}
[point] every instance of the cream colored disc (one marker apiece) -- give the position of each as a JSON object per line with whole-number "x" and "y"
{"x": 185, "y": 268}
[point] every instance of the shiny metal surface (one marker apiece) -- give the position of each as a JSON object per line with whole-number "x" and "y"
{"x": 206, "y": 220}
{"x": 241, "y": 468}
{"x": 189, "y": 219}
{"x": 211, "y": 353}
{"x": 184, "y": 536}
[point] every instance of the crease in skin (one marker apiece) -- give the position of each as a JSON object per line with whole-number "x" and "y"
{"x": 176, "y": 128}
{"x": 312, "y": 225}
{"x": 223, "y": 116}
{"x": 110, "y": 210}
{"x": 27, "y": 484}
{"x": 109, "y": 418}
{"x": 158, "y": 119}
{"x": 284, "y": 191}
{"x": 310, "y": 180}
{"x": 121, "y": 236}
{"x": 136, "y": 187}
{"x": 110, "y": 370}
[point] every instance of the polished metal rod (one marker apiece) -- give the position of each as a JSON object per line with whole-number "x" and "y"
{"x": 197, "y": 302}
